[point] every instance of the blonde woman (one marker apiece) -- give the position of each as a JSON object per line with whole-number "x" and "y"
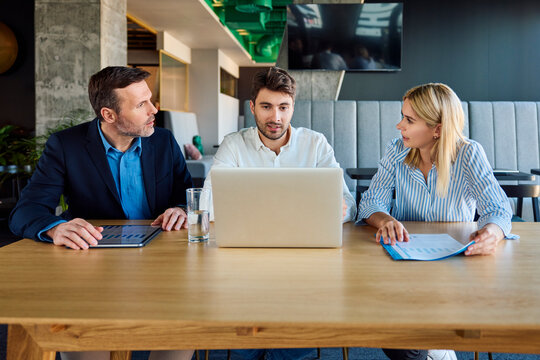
{"x": 437, "y": 175}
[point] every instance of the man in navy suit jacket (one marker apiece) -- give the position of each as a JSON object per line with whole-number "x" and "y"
{"x": 117, "y": 166}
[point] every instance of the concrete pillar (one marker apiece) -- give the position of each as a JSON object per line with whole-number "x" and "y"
{"x": 73, "y": 40}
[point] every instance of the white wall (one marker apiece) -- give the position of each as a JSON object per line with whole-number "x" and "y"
{"x": 203, "y": 94}
{"x": 228, "y": 64}
{"x": 217, "y": 114}
{"x": 165, "y": 41}
{"x": 228, "y": 116}
{"x": 228, "y": 106}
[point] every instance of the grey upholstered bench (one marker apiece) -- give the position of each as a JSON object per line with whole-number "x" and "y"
{"x": 359, "y": 130}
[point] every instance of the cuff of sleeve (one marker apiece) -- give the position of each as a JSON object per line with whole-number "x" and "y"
{"x": 504, "y": 224}
{"x": 44, "y": 237}
{"x": 360, "y": 222}
{"x": 183, "y": 207}
{"x": 350, "y": 214}
{"x": 366, "y": 211}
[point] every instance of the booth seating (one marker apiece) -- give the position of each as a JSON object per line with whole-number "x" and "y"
{"x": 184, "y": 127}
{"x": 360, "y": 130}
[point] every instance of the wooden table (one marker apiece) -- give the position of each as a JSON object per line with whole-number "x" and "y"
{"x": 175, "y": 295}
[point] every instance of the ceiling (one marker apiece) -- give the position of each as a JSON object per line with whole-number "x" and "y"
{"x": 140, "y": 38}
{"x": 196, "y": 24}
{"x": 257, "y": 24}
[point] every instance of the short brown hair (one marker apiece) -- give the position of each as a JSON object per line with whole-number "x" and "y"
{"x": 273, "y": 79}
{"x": 103, "y": 83}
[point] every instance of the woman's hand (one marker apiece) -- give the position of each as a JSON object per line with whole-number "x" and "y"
{"x": 389, "y": 228}
{"x": 392, "y": 231}
{"x": 485, "y": 240}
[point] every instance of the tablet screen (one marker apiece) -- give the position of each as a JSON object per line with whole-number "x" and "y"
{"x": 127, "y": 235}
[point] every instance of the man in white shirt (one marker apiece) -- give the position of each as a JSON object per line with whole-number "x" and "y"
{"x": 275, "y": 143}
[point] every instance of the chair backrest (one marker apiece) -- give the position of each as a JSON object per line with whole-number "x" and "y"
{"x": 509, "y": 132}
{"x": 524, "y": 191}
{"x": 183, "y": 125}
{"x": 358, "y": 131}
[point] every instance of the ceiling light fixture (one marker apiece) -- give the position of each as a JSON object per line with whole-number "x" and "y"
{"x": 253, "y": 6}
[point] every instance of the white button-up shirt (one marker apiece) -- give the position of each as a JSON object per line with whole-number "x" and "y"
{"x": 305, "y": 148}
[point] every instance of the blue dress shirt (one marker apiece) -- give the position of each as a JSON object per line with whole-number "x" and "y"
{"x": 127, "y": 174}
{"x": 472, "y": 186}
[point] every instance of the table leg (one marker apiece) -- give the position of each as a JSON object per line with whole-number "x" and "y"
{"x": 120, "y": 355}
{"x": 21, "y": 345}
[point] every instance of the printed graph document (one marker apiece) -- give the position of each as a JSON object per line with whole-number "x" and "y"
{"x": 426, "y": 247}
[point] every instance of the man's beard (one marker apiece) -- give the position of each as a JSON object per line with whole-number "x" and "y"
{"x": 128, "y": 131}
{"x": 269, "y": 135}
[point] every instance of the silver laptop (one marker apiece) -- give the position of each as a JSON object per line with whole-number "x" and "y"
{"x": 278, "y": 207}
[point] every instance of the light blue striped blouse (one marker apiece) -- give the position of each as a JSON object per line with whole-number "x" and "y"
{"x": 472, "y": 185}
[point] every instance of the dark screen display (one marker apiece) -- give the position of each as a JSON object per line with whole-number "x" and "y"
{"x": 359, "y": 37}
{"x": 127, "y": 235}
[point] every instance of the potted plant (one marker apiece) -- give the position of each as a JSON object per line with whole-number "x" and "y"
{"x": 20, "y": 152}
{"x": 14, "y": 154}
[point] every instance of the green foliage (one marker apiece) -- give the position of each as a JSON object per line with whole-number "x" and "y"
{"x": 18, "y": 148}
{"x": 13, "y": 146}
{"x": 72, "y": 118}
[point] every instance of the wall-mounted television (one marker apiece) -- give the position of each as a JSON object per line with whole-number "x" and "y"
{"x": 355, "y": 37}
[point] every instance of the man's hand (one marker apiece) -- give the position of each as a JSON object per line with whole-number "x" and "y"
{"x": 75, "y": 234}
{"x": 486, "y": 240}
{"x": 172, "y": 219}
{"x": 344, "y": 209}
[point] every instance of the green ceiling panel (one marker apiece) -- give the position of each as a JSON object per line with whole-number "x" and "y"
{"x": 255, "y": 26}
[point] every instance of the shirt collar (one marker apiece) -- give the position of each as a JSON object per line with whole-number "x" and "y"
{"x": 136, "y": 146}
{"x": 259, "y": 144}
{"x": 402, "y": 153}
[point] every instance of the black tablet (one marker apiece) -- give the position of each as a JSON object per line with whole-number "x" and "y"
{"x": 127, "y": 235}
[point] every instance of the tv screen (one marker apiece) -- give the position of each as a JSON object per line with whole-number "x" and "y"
{"x": 356, "y": 37}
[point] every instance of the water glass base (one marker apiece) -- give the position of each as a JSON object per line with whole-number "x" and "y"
{"x": 197, "y": 239}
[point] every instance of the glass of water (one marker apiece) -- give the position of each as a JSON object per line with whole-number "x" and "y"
{"x": 198, "y": 202}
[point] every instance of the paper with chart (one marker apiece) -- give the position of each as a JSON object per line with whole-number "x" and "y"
{"x": 426, "y": 247}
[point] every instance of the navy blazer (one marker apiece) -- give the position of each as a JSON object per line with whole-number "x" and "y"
{"x": 74, "y": 163}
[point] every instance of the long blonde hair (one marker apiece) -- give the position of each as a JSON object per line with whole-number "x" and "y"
{"x": 436, "y": 104}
